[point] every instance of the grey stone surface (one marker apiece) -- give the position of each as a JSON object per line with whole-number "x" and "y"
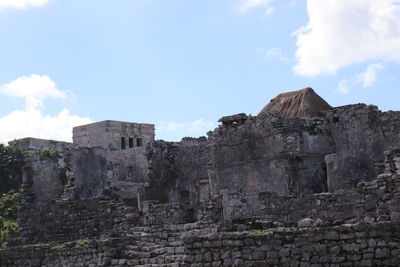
{"x": 262, "y": 190}
{"x": 108, "y": 134}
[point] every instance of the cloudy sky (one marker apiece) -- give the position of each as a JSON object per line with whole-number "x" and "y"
{"x": 182, "y": 64}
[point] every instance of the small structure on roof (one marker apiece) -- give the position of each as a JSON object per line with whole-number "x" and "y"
{"x": 303, "y": 104}
{"x": 239, "y": 118}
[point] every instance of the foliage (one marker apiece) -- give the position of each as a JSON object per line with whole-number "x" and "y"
{"x": 8, "y": 214}
{"x": 8, "y": 229}
{"x": 12, "y": 159}
{"x": 45, "y": 153}
{"x": 9, "y": 204}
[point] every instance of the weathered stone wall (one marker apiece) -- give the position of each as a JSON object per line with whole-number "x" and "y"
{"x": 72, "y": 220}
{"x": 349, "y": 245}
{"x": 191, "y": 159}
{"x": 359, "y": 145}
{"x": 36, "y": 143}
{"x": 253, "y": 155}
{"x": 43, "y": 176}
{"x": 273, "y": 154}
{"x": 86, "y": 173}
{"x": 43, "y": 179}
{"x": 210, "y": 211}
{"x": 368, "y": 201}
{"x": 160, "y": 214}
{"x": 391, "y": 129}
{"x": 193, "y": 245}
{"x": 127, "y": 173}
{"x": 108, "y": 134}
{"x": 162, "y": 172}
{"x": 143, "y": 246}
{"x": 178, "y": 171}
{"x": 78, "y": 253}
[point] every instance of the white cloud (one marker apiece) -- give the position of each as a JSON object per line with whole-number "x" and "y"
{"x": 340, "y": 33}
{"x": 368, "y": 78}
{"x": 343, "y": 87}
{"x": 365, "y": 79}
{"x": 31, "y": 121}
{"x": 22, "y": 4}
{"x": 269, "y": 11}
{"x": 275, "y": 52}
{"x": 34, "y": 89}
{"x": 246, "y": 5}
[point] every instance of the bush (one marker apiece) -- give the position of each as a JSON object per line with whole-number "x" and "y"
{"x": 8, "y": 215}
{"x": 9, "y": 205}
{"x": 12, "y": 160}
{"x": 44, "y": 153}
{"x": 7, "y": 229}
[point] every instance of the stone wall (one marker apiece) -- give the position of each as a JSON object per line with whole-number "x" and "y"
{"x": 178, "y": 171}
{"x": 348, "y": 245}
{"x": 78, "y": 253}
{"x": 109, "y": 134}
{"x": 191, "y": 159}
{"x": 72, "y": 220}
{"x": 274, "y": 154}
{"x": 43, "y": 179}
{"x": 359, "y": 145}
{"x": 86, "y": 173}
{"x": 391, "y": 129}
{"x": 36, "y": 143}
{"x": 210, "y": 211}
{"x": 127, "y": 173}
{"x": 368, "y": 201}
{"x": 193, "y": 246}
{"x": 160, "y": 214}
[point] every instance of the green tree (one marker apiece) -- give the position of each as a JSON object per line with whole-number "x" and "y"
{"x": 8, "y": 216}
{"x": 12, "y": 160}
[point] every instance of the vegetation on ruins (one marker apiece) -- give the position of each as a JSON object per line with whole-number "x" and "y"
{"x": 8, "y": 215}
{"x": 12, "y": 159}
{"x": 49, "y": 154}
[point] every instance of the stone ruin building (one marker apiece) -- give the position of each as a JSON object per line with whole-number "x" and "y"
{"x": 300, "y": 184}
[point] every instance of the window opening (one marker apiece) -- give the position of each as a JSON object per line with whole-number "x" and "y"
{"x": 139, "y": 142}
{"x": 130, "y": 142}
{"x": 123, "y": 145}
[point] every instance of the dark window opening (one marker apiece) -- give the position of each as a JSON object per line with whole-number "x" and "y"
{"x": 130, "y": 142}
{"x": 123, "y": 145}
{"x": 185, "y": 197}
{"x": 139, "y": 142}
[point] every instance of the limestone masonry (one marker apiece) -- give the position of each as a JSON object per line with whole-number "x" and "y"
{"x": 300, "y": 184}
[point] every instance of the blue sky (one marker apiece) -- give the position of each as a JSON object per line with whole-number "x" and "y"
{"x": 183, "y": 64}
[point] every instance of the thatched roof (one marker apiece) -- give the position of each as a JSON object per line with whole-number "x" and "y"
{"x": 304, "y": 104}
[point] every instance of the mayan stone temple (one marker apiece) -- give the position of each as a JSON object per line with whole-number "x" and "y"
{"x": 301, "y": 184}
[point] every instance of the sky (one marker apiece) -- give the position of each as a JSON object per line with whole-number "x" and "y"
{"x": 183, "y": 64}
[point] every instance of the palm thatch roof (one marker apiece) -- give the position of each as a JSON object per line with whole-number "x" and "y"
{"x": 304, "y": 104}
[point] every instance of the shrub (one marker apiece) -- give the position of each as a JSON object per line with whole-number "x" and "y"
{"x": 8, "y": 229}
{"x": 12, "y": 160}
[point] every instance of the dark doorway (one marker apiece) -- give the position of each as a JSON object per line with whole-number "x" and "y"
{"x": 130, "y": 142}
{"x": 139, "y": 142}
{"x": 123, "y": 145}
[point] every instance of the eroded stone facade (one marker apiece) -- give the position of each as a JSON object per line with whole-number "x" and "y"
{"x": 263, "y": 190}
